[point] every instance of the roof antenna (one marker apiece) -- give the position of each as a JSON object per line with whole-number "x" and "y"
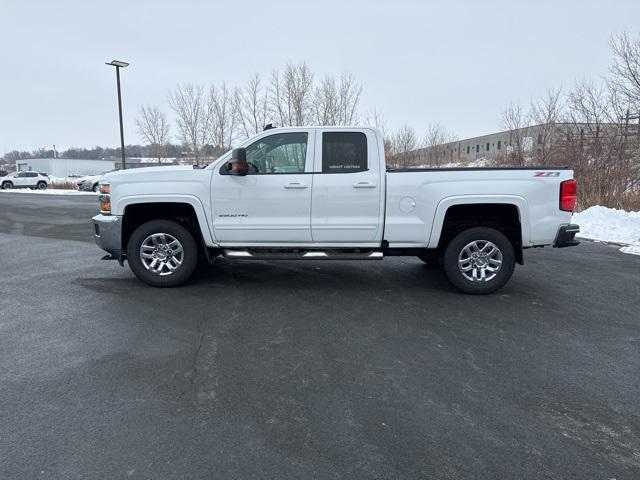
{"x": 268, "y": 126}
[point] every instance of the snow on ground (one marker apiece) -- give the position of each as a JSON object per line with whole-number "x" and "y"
{"x": 48, "y": 191}
{"x": 610, "y": 225}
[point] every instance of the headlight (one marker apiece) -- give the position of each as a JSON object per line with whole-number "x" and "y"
{"x": 105, "y": 198}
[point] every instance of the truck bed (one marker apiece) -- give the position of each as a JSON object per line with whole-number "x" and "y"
{"x": 418, "y": 200}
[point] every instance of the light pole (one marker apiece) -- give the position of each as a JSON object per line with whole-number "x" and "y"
{"x": 120, "y": 64}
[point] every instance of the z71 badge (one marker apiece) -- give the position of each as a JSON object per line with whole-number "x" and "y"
{"x": 546, "y": 174}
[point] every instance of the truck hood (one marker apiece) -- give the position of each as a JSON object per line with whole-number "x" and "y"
{"x": 157, "y": 180}
{"x": 154, "y": 174}
{"x": 151, "y": 171}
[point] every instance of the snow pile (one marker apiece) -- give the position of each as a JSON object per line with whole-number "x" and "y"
{"x": 48, "y": 191}
{"x": 477, "y": 163}
{"x": 610, "y": 225}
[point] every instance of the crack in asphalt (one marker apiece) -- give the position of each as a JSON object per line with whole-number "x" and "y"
{"x": 194, "y": 361}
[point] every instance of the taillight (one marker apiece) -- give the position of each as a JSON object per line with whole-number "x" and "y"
{"x": 568, "y": 191}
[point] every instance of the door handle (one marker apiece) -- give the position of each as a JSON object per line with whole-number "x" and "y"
{"x": 364, "y": 185}
{"x": 295, "y": 186}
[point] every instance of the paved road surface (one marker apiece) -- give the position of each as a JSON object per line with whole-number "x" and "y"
{"x": 310, "y": 370}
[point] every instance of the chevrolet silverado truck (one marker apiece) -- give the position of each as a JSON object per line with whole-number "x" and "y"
{"x": 325, "y": 193}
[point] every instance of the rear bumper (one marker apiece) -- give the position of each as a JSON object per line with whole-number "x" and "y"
{"x": 566, "y": 236}
{"x": 107, "y": 232}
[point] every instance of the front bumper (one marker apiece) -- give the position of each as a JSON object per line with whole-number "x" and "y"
{"x": 107, "y": 232}
{"x": 566, "y": 236}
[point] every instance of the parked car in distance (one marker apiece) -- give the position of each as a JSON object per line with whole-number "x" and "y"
{"x": 32, "y": 180}
{"x": 325, "y": 193}
{"x": 89, "y": 183}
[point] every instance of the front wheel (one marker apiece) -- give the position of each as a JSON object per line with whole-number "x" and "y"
{"x": 42, "y": 186}
{"x": 7, "y": 186}
{"x": 479, "y": 260}
{"x": 162, "y": 253}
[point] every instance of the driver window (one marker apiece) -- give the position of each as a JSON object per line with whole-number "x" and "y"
{"x": 278, "y": 153}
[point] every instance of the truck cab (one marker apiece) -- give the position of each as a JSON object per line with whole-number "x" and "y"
{"x": 314, "y": 186}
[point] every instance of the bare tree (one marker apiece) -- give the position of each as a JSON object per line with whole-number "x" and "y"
{"x": 154, "y": 129}
{"x": 375, "y": 118}
{"x": 516, "y": 121}
{"x": 545, "y": 114}
{"x": 437, "y": 142}
{"x": 291, "y": 95}
{"x": 625, "y": 70}
{"x": 193, "y": 116}
{"x": 348, "y": 99}
{"x": 221, "y": 116}
{"x": 597, "y": 148}
{"x": 252, "y": 107}
{"x": 325, "y": 102}
{"x": 336, "y": 103}
{"x": 403, "y": 142}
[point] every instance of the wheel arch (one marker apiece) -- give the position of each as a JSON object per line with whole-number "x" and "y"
{"x": 187, "y": 209}
{"x": 509, "y": 214}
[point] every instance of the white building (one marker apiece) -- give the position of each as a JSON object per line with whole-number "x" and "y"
{"x": 66, "y": 167}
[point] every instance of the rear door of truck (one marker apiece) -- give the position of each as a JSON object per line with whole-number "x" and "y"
{"x": 348, "y": 188}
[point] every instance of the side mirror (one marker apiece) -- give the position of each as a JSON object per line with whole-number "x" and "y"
{"x": 238, "y": 163}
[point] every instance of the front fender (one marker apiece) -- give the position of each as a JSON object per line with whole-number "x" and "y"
{"x": 123, "y": 202}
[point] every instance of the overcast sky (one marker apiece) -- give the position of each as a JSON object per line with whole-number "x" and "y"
{"x": 453, "y": 62}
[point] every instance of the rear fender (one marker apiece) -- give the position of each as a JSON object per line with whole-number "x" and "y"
{"x": 446, "y": 203}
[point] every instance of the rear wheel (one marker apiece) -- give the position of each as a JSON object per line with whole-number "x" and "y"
{"x": 96, "y": 187}
{"x": 479, "y": 260}
{"x": 162, "y": 253}
{"x": 42, "y": 185}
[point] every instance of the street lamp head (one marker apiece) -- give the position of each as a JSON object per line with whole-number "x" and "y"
{"x": 118, "y": 63}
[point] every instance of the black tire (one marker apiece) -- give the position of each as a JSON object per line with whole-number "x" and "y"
{"x": 7, "y": 185}
{"x": 184, "y": 237}
{"x": 96, "y": 187}
{"x": 42, "y": 185}
{"x": 467, "y": 237}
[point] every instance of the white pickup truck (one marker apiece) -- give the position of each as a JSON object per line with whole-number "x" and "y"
{"x": 325, "y": 193}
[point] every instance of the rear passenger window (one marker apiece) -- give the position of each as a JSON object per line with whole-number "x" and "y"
{"x": 344, "y": 152}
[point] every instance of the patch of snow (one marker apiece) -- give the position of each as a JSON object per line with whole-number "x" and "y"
{"x": 610, "y": 225}
{"x": 478, "y": 162}
{"x": 631, "y": 249}
{"x": 48, "y": 191}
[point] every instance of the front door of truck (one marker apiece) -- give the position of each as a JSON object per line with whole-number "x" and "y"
{"x": 347, "y": 188}
{"x": 272, "y": 203}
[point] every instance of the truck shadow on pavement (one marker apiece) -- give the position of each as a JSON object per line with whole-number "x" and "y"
{"x": 399, "y": 278}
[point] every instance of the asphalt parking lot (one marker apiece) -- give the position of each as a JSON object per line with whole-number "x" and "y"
{"x": 310, "y": 369}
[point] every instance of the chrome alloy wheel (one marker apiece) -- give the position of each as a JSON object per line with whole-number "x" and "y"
{"x": 480, "y": 261}
{"x": 161, "y": 254}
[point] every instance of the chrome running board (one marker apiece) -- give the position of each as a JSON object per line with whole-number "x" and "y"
{"x": 274, "y": 254}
